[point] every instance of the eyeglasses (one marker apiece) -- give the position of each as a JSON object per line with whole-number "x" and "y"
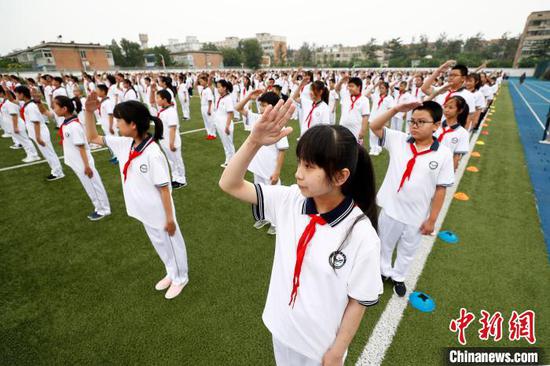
{"x": 418, "y": 123}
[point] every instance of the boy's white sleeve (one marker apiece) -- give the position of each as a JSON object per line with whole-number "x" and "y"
{"x": 270, "y": 200}
{"x": 35, "y": 115}
{"x": 160, "y": 174}
{"x": 446, "y": 177}
{"x": 365, "y": 108}
{"x": 391, "y": 138}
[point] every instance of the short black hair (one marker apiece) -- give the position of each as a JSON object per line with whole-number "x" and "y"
{"x": 165, "y": 94}
{"x": 103, "y": 88}
{"x": 356, "y": 81}
{"x": 435, "y": 110}
{"x": 21, "y": 89}
{"x": 269, "y": 98}
{"x": 462, "y": 68}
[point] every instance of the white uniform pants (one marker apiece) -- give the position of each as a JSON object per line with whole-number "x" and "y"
{"x": 95, "y": 190}
{"x": 286, "y": 356}
{"x": 176, "y": 163}
{"x": 47, "y": 151}
{"x": 406, "y": 237}
{"x": 227, "y": 140}
{"x": 208, "y": 122}
{"x": 185, "y": 108}
{"x": 23, "y": 139}
{"x": 172, "y": 252}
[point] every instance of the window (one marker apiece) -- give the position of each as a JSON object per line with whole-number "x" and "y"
{"x": 83, "y": 54}
{"x": 46, "y": 53}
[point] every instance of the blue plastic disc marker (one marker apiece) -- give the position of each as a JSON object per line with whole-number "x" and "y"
{"x": 448, "y": 237}
{"x": 421, "y": 301}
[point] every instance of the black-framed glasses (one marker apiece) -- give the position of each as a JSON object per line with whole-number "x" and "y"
{"x": 418, "y": 122}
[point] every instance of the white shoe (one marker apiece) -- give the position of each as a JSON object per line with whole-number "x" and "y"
{"x": 224, "y": 165}
{"x": 30, "y": 159}
{"x": 272, "y": 230}
{"x": 174, "y": 290}
{"x": 16, "y": 147}
{"x": 6, "y": 135}
{"x": 260, "y": 224}
{"x": 163, "y": 284}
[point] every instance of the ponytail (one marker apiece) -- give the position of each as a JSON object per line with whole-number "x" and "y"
{"x": 77, "y": 104}
{"x": 363, "y": 188}
{"x": 136, "y": 112}
{"x": 159, "y": 128}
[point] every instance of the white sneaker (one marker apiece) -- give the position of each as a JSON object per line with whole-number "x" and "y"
{"x": 16, "y": 147}
{"x": 224, "y": 165}
{"x": 174, "y": 290}
{"x": 260, "y": 224}
{"x": 163, "y": 284}
{"x": 30, "y": 159}
{"x": 6, "y": 135}
{"x": 272, "y": 230}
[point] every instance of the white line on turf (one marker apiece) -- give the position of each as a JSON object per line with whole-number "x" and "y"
{"x": 93, "y": 151}
{"x": 386, "y": 327}
{"x": 528, "y": 105}
{"x": 537, "y": 93}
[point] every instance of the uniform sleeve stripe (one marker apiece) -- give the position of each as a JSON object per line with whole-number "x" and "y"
{"x": 446, "y": 185}
{"x": 258, "y": 209}
{"x": 368, "y": 303}
{"x": 382, "y": 140}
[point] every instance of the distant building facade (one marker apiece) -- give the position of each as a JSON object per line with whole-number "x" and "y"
{"x": 536, "y": 35}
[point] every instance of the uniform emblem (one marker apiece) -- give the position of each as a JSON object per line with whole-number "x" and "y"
{"x": 337, "y": 259}
{"x": 143, "y": 168}
{"x": 454, "y": 140}
{"x": 433, "y": 165}
{"x": 67, "y": 134}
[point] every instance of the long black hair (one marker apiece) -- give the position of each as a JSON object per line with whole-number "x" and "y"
{"x": 138, "y": 113}
{"x": 463, "y": 109}
{"x": 168, "y": 81}
{"x": 320, "y": 87}
{"x": 334, "y": 148}
{"x": 226, "y": 84}
{"x": 72, "y": 104}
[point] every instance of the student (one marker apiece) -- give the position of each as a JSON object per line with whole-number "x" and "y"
{"x": 332, "y": 100}
{"x": 183, "y": 96}
{"x": 15, "y": 125}
{"x": 171, "y": 139}
{"x": 77, "y": 155}
{"x": 105, "y": 111}
{"x": 38, "y": 131}
{"x": 381, "y": 102}
{"x": 355, "y": 106}
{"x": 452, "y": 133}
{"x": 57, "y": 90}
{"x": 401, "y": 96}
{"x": 223, "y": 119}
{"x": 319, "y": 112}
{"x": 472, "y": 84}
{"x": 268, "y": 162}
{"x": 411, "y": 196}
{"x": 416, "y": 89}
{"x": 129, "y": 93}
{"x": 207, "y": 99}
{"x": 146, "y": 185}
{"x": 326, "y": 248}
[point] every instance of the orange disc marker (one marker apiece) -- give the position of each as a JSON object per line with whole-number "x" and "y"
{"x": 485, "y": 125}
{"x": 480, "y": 142}
{"x": 488, "y": 119}
{"x": 472, "y": 169}
{"x": 485, "y": 133}
{"x": 475, "y": 154}
{"x": 461, "y": 196}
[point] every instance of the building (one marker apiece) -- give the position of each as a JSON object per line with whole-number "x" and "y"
{"x": 199, "y": 59}
{"x": 337, "y": 53}
{"x": 228, "y": 42}
{"x": 535, "y": 37}
{"x": 144, "y": 41}
{"x": 59, "y": 56}
{"x": 273, "y": 46}
{"x": 191, "y": 44}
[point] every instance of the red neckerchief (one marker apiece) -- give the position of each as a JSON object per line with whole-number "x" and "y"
{"x": 219, "y": 100}
{"x": 410, "y": 164}
{"x": 134, "y": 154}
{"x": 449, "y": 95}
{"x": 4, "y": 101}
{"x": 381, "y": 100}
{"x": 354, "y": 100}
{"x": 399, "y": 97}
{"x": 65, "y": 123}
{"x": 22, "y": 110}
{"x": 310, "y": 115}
{"x": 244, "y": 91}
{"x": 445, "y": 131}
{"x": 416, "y": 94}
{"x": 163, "y": 109}
{"x": 305, "y": 239}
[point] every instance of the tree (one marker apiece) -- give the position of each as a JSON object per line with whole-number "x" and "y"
{"x": 369, "y": 49}
{"x": 117, "y": 53}
{"x": 128, "y": 54}
{"x": 161, "y": 52}
{"x": 209, "y": 47}
{"x": 251, "y": 52}
{"x": 304, "y": 55}
{"x": 231, "y": 57}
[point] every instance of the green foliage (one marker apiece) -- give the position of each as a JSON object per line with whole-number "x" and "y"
{"x": 232, "y": 57}
{"x": 159, "y": 51}
{"x": 127, "y": 54}
{"x": 251, "y": 52}
{"x": 209, "y": 47}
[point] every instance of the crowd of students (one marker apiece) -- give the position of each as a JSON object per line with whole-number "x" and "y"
{"x": 335, "y": 235}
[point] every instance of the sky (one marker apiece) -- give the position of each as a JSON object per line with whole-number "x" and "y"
{"x": 321, "y": 22}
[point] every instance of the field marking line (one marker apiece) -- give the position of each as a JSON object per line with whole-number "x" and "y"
{"x": 537, "y": 93}
{"x": 528, "y": 105}
{"x": 386, "y": 327}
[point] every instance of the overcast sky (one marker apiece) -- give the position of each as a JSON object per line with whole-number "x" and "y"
{"x": 322, "y": 21}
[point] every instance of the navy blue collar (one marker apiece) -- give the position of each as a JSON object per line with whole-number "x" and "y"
{"x": 143, "y": 144}
{"x": 334, "y": 217}
{"x": 433, "y": 147}
{"x": 69, "y": 120}
{"x": 453, "y": 127}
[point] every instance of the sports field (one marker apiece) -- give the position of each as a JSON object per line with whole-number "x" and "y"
{"x": 77, "y": 292}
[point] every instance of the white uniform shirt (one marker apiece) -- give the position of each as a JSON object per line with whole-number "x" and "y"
{"x": 206, "y": 96}
{"x": 406, "y": 97}
{"x": 74, "y": 136}
{"x": 265, "y": 161}
{"x": 417, "y": 93}
{"x": 319, "y": 114}
{"x": 411, "y": 205}
{"x": 169, "y": 117}
{"x": 479, "y": 100}
{"x": 457, "y": 139}
{"x": 352, "y": 118}
{"x": 9, "y": 109}
{"x": 310, "y": 327}
{"x": 129, "y": 94}
{"x": 224, "y": 105}
{"x": 145, "y": 174}
{"x": 466, "y": 94}
{"x": 380, "y": 105}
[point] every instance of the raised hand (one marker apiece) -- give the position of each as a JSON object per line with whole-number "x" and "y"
{"x": 270, "y": 128}
{"x": 92, "y": 102}
{"x": 405, "y": 107}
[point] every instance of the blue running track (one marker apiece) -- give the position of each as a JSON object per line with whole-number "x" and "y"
{"x": 531, "y": 104}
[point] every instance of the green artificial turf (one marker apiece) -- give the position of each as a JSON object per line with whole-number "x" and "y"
{"x": 81, "y": 292}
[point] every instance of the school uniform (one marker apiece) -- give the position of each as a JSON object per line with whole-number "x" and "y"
{"x": 464, "y": 93}
{"x": 129, "y": 94}
{"x": 224, "y": 105}
{"x": 405, "y": 197}
{"x": 305, "y": 106}
{"x": 169, "y": 117}
{"x": 417, "y": 93}
{"x": 304, "y": 319}
{"x": 455, "y": 137}
{"x": 183, "y": 96}
{"x": 235, "y": 97}
{"x": 59, "y": 91}
{"x": 319, "y": 114}
{"x": 73, "y": 137}
{"x": 399, "y": 118}
{"x": 105, "y": 109}
{"x": 8, "y": 109}
{"x": 143, "y": 170}
{"x": 354, "y": 108}
{"x": 332, "y": 99}
{"x": 207, "y": 97}
{"x": 30, "y": 113}
{"x": 380, "y": 104}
